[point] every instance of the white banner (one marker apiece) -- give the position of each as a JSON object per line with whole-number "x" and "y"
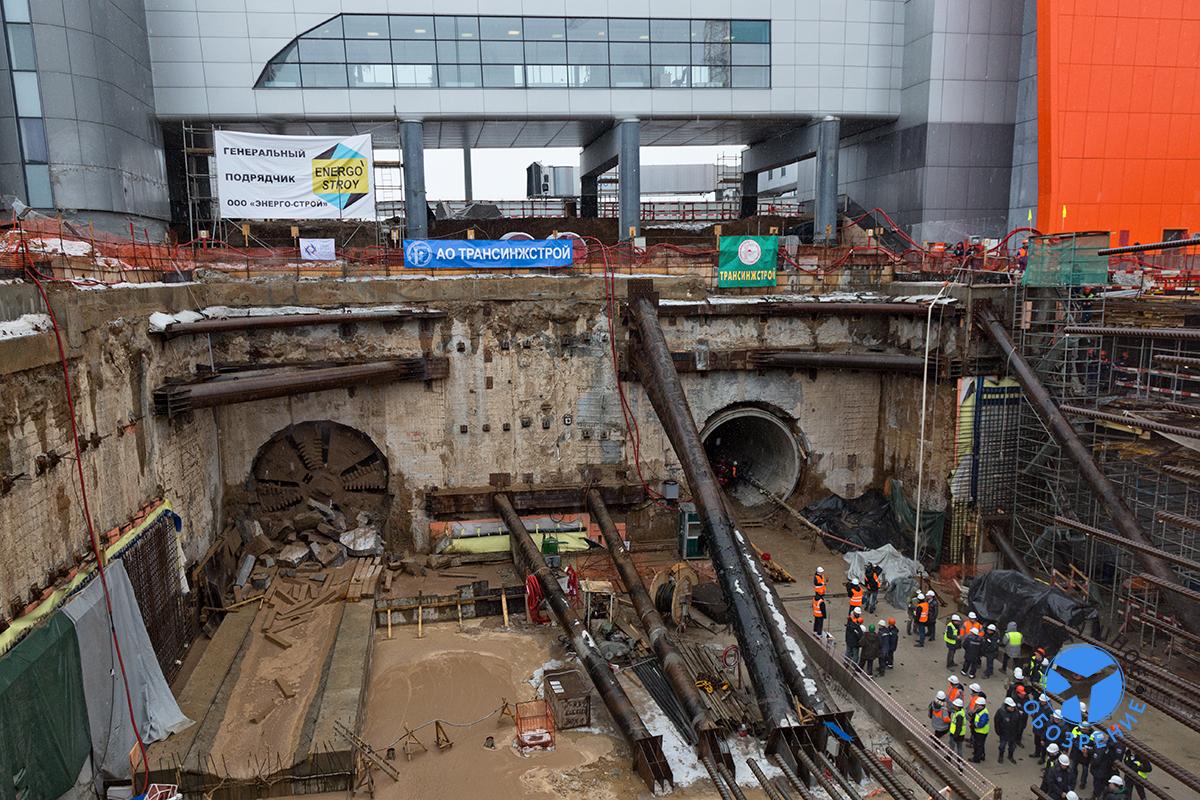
{"x": 318, "y": 250}
{"x": 261, "y": 176}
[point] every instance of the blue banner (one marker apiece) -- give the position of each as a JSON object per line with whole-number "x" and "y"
{"x": 487, "y": 254}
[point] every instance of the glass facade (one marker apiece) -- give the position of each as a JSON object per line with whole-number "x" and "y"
{"x": 31, "y": 129}
{"x": 365, "y": 51}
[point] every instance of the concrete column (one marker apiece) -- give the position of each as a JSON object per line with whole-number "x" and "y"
{"x": 629, "y": 214}
{"x": 749, "y": 194}
{"x": 468, "y": 188}
{"x": 826, "y": 190}
{"x": 589, "y": 196}
{"x": 416, "y": 211}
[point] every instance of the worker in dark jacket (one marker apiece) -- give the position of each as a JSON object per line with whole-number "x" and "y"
{"x": 934, "y": 608}
{"x": 874, "y": 581}
{"x": 972, "y": 651}
{"x": 1103, "y": 762}
{"x": 1054, "y": 779}
{"x": 1117, "y": 790}
{"x": 991, "y": 649}
{"x": 981, "y": 724}
{"x": 1139, "y": 765}
{"x": 958, "y": 726}
{"x": 1008, "y": 729}
{"x": 870, "y": 649}
{"x": 889, "y": 640}
{"x": 854, "y": 634}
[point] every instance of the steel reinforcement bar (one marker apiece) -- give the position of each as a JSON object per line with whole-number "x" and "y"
{"x": 648, "y": 759}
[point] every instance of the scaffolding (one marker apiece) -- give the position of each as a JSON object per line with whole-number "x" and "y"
{"x": 1129, "y": 391}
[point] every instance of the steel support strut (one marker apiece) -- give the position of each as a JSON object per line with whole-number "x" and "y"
{"x": 662, "y": 385}
{"x": 682, "y": 686}
{"x": 1066, "y": 438}
{"x": 648, "y": 759}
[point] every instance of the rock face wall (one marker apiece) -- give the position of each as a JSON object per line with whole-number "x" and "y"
{"x": 530, "y": 394}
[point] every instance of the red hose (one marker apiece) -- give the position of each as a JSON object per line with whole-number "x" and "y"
{"x": 92, "y": 537}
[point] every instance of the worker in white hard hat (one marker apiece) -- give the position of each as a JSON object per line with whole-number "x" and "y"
{"x": 1117, "y": 790}
{"x": 819, "y": 581}
{"x": 939, "y": 715}
{"x": 991, "y": 649}
{"x": 951, "y": 638}
{"x": 1008, "y": 729}
{"x": 934, "y": 609}
{"x": 1054, "y": 779}
{"x": 1050, "y": 755}
{"x": 1072, "y": 796}
{"x": 958, "y": 726}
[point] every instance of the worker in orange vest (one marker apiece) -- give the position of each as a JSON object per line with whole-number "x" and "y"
{"x": 819, "y": 581}
{"x": 922, "y": 621}
{"x": 818, "y": 614}
{"x": 854, "y": 591}
{"x": 954, "y": 689}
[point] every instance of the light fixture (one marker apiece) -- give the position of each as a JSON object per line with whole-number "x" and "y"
{"x": 418, "y": 30}
{"x": 556, "y": 36}
{"x": 514, "y": 33}
{"x": 372, "y": 33}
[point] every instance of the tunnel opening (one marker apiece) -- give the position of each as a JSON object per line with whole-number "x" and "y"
{"x": 743, "y": 442}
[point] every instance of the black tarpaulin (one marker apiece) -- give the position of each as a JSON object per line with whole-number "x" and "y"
{"x": 1005, "y": 595}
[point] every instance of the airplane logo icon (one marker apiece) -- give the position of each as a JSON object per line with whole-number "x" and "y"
{"x": 1086, "y": 675}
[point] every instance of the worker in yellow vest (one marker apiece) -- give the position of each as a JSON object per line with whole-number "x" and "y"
{"x": 958, "y": 726}
{"x": 950, "y": 637}
{"x": 981, "y": 723}
{"x": 1011, "y": 644}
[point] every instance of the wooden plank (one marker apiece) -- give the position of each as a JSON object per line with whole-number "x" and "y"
{"x": 276, "y": 639}
{"x": 285, "y": 689}
{"x": 269, "y": 619}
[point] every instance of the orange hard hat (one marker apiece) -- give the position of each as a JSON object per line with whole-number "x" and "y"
{"x": 891, "y": 620}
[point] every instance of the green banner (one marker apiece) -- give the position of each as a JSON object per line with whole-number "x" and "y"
{"x": 747, "y": 261}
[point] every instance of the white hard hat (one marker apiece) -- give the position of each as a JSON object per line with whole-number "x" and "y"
{"x": 1008, "y": 701}
{"x": 1018, "y": 674}
{"x": 854, "y": 581}
{"x": 1045, "y": 662}
{"x": 953, "y": 679}
{"x": 930, "y": 593}
{"x": 1117, "y": 780}
{"x": 991, "y": 627}
{"x": 972, "y": 616}
{"x": 1052, "y": 749}
{"x": 863, "y": 628}
{"x": 1057, "y": 714}
{"x": 975, "y": 687}
{"x": 820, "y": 570}
{"x": 1082, "y": 707}
{"x": 958, "y": 703}
{"x": 1072, "y": 796}
{"x": 956, "y": 617}
{"x": 941, "y": 695}
{"x": 881, "y": 624}
{"x": 1043, "y": 698}
{"x": 982, "y": 701}
{"x": 1065, "y": 760}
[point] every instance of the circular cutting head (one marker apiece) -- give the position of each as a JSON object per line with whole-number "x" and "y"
{"x": 324, "y": 461}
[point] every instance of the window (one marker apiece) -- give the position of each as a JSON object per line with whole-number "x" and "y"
{"x": 25, "y": 87}
{"x": 412, "y": 50}
{"x": 37, "y": 182}
{"x": 33, "y": 141}
{"x": 16, "y": 10}
{"x": 20, "y": 47}
{"x": 365, "y": 26}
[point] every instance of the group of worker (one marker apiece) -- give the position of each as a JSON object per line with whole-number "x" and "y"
{"x": 869, "y": 646}
{"x": 1084, "y": 755}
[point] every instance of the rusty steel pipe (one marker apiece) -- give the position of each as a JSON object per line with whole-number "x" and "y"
{"x": 1136, "y": 547}
{"x": 1132, "y": 421}
{"x": 946, "y": 773}
{"x": 676, "y": 672}
{"x": 768, "y": 788}
{"x": 661, "y": 383}
{"x": 796, "y": 309}
{"x": 1142, "y": 248}
{"x": 1143, "y": 333}
{"x": 849, "y": 788}
{"x": 915, "y": 774}
{"x": 645, "y": 746}
{"x": 1066, "y": 437}
{"x": 1178, "y": 520}
{"x": 881, "y": 775}
{"x": 1006, "y": 548}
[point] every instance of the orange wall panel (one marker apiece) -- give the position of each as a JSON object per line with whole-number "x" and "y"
{"x": 1118, "y": 130}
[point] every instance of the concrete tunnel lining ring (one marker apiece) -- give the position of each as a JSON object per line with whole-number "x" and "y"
{"x": 764, "y": 440}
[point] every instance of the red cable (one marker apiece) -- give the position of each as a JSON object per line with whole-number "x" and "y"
{"x": 94, "y": 540}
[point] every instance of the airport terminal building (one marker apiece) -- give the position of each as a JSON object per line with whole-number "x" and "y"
{"x": 928, "y": 109}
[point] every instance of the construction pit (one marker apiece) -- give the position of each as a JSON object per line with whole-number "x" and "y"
{"x": 391, "y": 505}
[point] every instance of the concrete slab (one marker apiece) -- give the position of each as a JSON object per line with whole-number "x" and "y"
{"x": 345, "y": 679}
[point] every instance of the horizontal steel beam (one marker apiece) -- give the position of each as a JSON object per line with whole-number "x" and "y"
{"x": 1186, "y": 473}
{"x": 526, "y": 499}
{"x": 248, "y": 323}
{"x": 1120, "y": 541}
{"x": 754, "y": 359}
{"x": 777, "y": 308}
{"x": 1142, "y": 248}
{"x": 1170, "y": 586}
{"x": 1178, "y": 520}
{"x": 172, "y": 399}
{"x": 1132, "y": 421}
{"x": 1144, "y": 333}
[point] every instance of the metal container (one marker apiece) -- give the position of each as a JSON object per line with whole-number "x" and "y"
{"x": 569, "y": 697}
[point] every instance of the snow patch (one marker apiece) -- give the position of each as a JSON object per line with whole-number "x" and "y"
{"x": 159, "y": 321}
{"x": 67, "y": 247}
{"x": 535, "y": 680}
{"x": 24, "y": 325}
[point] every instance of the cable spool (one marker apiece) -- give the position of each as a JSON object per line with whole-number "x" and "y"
{"x": 672, "y": 590}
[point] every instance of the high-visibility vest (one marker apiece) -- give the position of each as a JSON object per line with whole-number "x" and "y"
{"x": 819, "y": 581}
{"x": 981, "y": 722}
{"x": 953, "y": 693}
{"x": 923, "y": 611}
{"x": 856, "y": 595}
{"x": 958, "y": 722}
{"x": 818, "y": 608}
{"x": 939, "y": 715}
{"x": 951, "y": 635}
{"x": 973, "y": 702}
{"x": 1013, "y": 638}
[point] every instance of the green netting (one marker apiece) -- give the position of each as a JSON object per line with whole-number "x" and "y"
{"x": 1067, "y": 259}
{"x": 933, "y": 523}
{"x": 44, "y": 737}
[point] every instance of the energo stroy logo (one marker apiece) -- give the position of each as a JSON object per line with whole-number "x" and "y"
{"x": 1090, "y": 685}
{"x": 341, "y": 176}
{"x": 749, "y": 252}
